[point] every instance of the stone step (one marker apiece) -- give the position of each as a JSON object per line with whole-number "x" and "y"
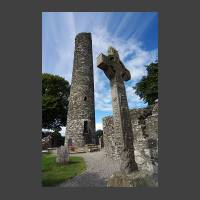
{"x": 92, "y": 149}
{"x": 90, "y": 145}
{"x": 77, "y": 150}
{"x": 86, "y": 148}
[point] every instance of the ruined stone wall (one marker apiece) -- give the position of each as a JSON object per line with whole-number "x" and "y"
{"x": 80, "y": 127}
{"x": 145, "y": 131}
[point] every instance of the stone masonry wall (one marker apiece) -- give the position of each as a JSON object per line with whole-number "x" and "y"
{"x": 145, "y": 131}
{"x": 80, "y": 129}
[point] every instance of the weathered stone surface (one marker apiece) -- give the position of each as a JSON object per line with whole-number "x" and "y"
{"x": 80, "y": 128}
{"x": 143, "y": 179}
{"x": 46, "y": 142}
{"x": 135, "y": 179}
{"x": 116, "y": 72}
{"x": 119, "y": 179}
{"x": 145, "y": 129}
{"x": 109, "y": 138}
{"x": 62, "y": 155}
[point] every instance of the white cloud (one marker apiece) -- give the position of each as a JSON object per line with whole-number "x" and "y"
{"x": 102, "y": 39}
{"x": 47, "y": 130}
{"x": 134, "y": 100}
{"x": 131, "y": 53}
{"x": 62, "y": 132}
{"x": 99, "y": 126}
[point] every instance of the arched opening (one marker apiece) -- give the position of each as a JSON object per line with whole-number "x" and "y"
{"x": 86, "y": 133}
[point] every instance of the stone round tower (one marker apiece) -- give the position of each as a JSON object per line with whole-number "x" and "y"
{"x": 80, "y": 127}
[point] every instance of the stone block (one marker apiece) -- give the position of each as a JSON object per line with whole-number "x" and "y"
{"x": 62, "y": 155}
{"x": 145, "y": 133}
{"x": 119, "y": 179}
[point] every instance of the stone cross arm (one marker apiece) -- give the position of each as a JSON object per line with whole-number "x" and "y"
{"x": 112, "y": 65}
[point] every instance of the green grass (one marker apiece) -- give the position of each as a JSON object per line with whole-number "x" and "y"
{"x": 53, "y": 173}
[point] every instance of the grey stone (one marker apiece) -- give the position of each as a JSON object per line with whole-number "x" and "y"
{"x": 62, "y": 155}
{"x": 143, "y": 179}
{"x": 80, "y": 128}
{"x": 145, "y": 130}
{"x": 116, "y": 72}
{"x": 135, "y": 179}
{"x": 46, "y": 142}
{"x": 119, "y": 179}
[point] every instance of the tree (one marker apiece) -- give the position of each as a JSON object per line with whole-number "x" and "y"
{"x": 55, "y": 93}
{"x": 98, "y": 134}
{"x": 57, "y": 140}
{"x": 147, "y": 88}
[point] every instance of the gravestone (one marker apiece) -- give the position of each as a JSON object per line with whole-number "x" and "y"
{"x": 116, "y": 72}
{"x": 62, "y": 155}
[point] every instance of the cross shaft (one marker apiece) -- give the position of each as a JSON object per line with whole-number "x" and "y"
{"x": 116, "y": 72}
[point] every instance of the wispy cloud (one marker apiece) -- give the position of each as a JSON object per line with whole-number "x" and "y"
{"x": 138, "y": 58}
{"x": 99, "y": 126}
{"x": 59, "y": 30}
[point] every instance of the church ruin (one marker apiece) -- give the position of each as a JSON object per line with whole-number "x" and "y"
{"x": 145, "y": 130}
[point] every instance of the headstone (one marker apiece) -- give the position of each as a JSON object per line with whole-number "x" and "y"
{"x": 62, "y": 155}
{"x": 116, "y": 72}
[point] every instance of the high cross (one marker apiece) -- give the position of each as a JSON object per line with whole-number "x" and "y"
{"x": 117, "y": 73}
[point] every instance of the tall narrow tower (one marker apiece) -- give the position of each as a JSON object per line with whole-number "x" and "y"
{"x": 80, "y": 127}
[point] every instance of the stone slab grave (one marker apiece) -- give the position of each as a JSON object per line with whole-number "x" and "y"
{"x": 62, "y": 155}
{"x": 117, "y": 73}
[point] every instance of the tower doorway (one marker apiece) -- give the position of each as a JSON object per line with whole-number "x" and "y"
{"x": 86, "y": 133}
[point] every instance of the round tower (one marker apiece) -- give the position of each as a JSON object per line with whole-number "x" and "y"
{"x": 80, "y": 128}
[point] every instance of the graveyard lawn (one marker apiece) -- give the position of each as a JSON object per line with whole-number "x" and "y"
{"x": 53, "y": 173}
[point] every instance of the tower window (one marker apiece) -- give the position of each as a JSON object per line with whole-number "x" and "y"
{"x": 85, "y": 127}
{"x": 85, "y": 98}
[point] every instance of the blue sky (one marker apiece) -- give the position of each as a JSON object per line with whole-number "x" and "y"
{"x": 133, "y": 34}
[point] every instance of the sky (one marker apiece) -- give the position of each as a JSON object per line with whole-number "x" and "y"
{"x": 133, "y": 34}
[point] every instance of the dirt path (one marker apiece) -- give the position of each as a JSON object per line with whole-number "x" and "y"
{"x": 99, "y": 168}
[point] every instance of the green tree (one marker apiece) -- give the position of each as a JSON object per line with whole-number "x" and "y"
{"x": 98, "y": 134}
{"x": 55, "y": 93}
{"x": 147, "y": 88}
